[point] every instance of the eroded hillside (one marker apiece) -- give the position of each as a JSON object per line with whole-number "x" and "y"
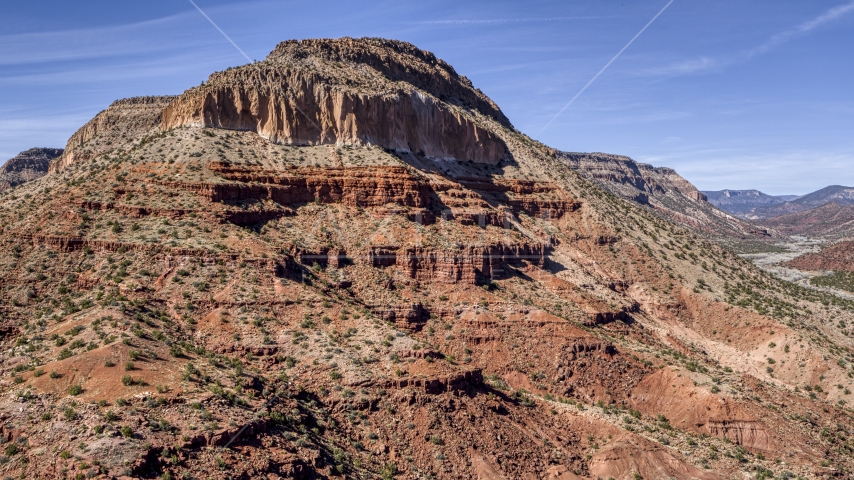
{"x": 198, "y": 297}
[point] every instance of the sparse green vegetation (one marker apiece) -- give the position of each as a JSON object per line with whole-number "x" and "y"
{"x": 840, "y": 280}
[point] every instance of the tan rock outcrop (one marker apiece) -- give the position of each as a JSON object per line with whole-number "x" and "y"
{"x": 300, "y": 95}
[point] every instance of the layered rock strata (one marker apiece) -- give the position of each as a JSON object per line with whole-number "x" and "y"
{"x": 469, "y": 264}
{"x": 662, "y": 190}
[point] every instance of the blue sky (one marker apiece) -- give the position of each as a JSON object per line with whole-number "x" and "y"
{"x": 731, "y": 94}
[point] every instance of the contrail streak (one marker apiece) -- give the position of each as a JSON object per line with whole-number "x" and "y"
{"x": 223, "y": 33}
{"x": 605, "y": 67}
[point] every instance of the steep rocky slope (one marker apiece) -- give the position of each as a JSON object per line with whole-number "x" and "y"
{"x": 663, "y": 191}
{"x": 740, "y": 202}
{"x": 838, "y": 194}
{"x": 26, "y": 166}
{"x": 227, "y": 303}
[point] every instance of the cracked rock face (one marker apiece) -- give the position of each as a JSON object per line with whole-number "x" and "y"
{"x": 348, "y": 92}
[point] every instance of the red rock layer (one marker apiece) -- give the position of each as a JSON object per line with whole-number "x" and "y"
{"x": 356, "y": 186}
{"x": 469, "y": 264}
{"x": 381, "y": 186}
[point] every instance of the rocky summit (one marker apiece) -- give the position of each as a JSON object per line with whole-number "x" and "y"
{"x": 344, "y": 262}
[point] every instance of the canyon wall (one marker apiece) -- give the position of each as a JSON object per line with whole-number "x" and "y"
{"x": 631, "y": 179}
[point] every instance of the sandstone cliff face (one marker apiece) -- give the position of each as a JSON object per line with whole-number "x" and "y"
{"x": 397, "y": 97}
{"x": 26, "y": 166}
{"x": 123, "y": 120}
{"x": 399, "y": 62}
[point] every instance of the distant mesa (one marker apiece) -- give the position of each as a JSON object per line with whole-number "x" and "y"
{"x": 740, "y": 202}
{"x": 835, "y": 193}
{"x": 26, "y": 166}
{"x": 828, "y": 212}
{"x": 662, "y": 190}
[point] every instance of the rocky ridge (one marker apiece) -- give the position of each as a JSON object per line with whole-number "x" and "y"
{"x": 663, "y": 191}
{"x": 838, "y": 194}
{"x": 123, "y": 121}
{"x": 831, "y": 220}
{"x": 26, "y": 166}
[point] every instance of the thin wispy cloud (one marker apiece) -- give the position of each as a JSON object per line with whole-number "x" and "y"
{"x": 77, "y": 44}
{"x": 124, "y": 40}
{"x": 167, "y": 66}
{"x": 706, "y": 63}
